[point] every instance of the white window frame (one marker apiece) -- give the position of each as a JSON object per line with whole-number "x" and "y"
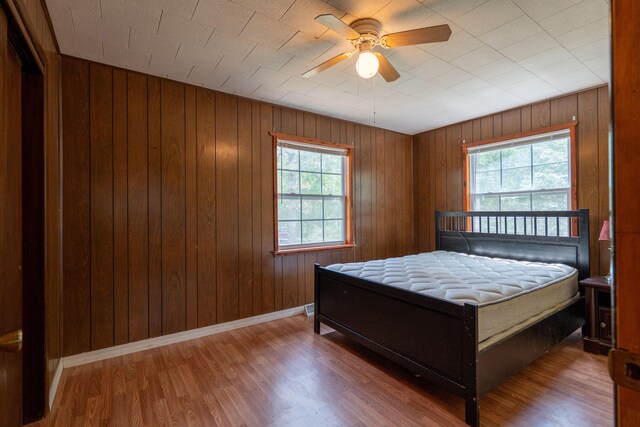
{"x": 566, "y": 130}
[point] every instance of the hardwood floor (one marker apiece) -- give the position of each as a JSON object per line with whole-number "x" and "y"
{"x": 280, "y": 373}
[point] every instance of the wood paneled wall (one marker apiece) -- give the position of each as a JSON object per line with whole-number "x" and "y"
{"x": 34, "y": 16}
{"x": 439, "y": 161}
{"x": 168, "y": 205}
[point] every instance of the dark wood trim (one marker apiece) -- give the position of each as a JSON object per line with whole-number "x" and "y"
{"x": 19, "y": 18}
{"x": 22, "y": 37}
{"x": 47, "y": 16}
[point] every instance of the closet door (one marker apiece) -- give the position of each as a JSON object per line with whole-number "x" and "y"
{"x": 10, "y": 232}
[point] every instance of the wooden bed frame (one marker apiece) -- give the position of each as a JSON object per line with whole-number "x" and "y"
{"x": 437, "y": 339}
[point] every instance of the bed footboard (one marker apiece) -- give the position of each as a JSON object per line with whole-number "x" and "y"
{"x": 433, "y": 338}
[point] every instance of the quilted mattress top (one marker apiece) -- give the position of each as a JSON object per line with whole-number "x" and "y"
{"x": 459, "y": 278}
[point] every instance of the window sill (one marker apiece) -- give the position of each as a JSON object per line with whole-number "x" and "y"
{"x": 313, "y": 249}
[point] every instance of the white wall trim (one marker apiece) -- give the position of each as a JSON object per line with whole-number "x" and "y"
{"x": 120, "y": 350}
{"x": 55, "y": 382}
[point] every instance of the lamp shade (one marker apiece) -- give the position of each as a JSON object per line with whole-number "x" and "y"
{"x": 605, "y": 234}
{"x": 367, "y": 64}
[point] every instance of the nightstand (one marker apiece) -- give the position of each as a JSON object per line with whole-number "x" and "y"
{"x": 597, "y": 331}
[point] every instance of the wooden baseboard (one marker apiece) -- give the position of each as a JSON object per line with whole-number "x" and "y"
{"x": 120, "y": 350}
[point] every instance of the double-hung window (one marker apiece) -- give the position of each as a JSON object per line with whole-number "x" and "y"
{"x": 313, "y": 194}
{"x": 532, "y": 172}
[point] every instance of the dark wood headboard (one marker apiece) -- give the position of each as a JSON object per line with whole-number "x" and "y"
{"x": 544, "y": 236}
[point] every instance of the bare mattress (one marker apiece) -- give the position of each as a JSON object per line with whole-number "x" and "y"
{"x": 510, "y": 295}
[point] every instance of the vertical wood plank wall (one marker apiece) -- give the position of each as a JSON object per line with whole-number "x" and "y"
{"x": 439, "y": 161}
{"x": 168, "y": 205}
{"x": 34, "y": 15}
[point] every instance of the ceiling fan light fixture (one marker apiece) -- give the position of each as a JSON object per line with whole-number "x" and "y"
{"x": 367, "y": 64}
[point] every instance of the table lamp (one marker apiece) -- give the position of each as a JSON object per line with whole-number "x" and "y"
{"x": 605, "y": 235}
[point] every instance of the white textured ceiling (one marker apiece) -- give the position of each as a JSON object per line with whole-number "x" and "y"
{"x": 502, "y": 53}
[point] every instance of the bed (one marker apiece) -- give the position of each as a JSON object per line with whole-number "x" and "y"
{"x": 446, "y": 340}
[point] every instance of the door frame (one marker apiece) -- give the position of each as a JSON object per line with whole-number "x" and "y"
{"x": 625, "y": 200}
{"x": 31, "y": 55}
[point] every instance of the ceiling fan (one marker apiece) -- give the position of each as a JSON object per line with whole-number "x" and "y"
{"x": 364, "y": 35}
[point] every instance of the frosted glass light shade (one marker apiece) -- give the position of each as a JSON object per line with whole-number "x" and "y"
{"x": 367, "y": 64}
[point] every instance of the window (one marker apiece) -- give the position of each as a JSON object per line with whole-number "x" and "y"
{"x": 529, "y": 172}
{"x": 313, "y": 202}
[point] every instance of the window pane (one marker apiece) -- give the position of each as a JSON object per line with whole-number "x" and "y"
{"x": 493, "y": 224}
{"x": 552, "y": 229}
{"x": 510, "y": 227}
{"x": 288, "y": 233}
{"x": 555, "y": 175}
{"x": 311, "y": 208}
{"x": 310, "y": 161}
{"x": 333, "y": 208}
{"x": 288, "y": 182}
{"x": 487, "y": 203}
{"x": 279, "y": 157}
{"x": 488, "y": 161}
{"x": 564, "y": 227}
{"x": 288, "y": 158}
{"x": 516, "y": 203}
{"x": 550, "y": 201}
{"x": 332, "y": 184}
{"x": 484, "y": 224}
{"x": 331, "y": 163}
{"x": 310, "y": 203}
{"x": 551, "y": 152}
{"x": 311, "y": 232}
{"x": 516, "y": 156}
{"x": 310, "y": 183}
{"x": 488, "y": 182}
{"x": 516, "y": 179}
{"x": 561, "y": 228}
{"x": 288, "y": 208}
{"x": 333, "y": 231}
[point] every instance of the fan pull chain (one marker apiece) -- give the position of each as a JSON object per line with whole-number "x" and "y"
{"x": 374, "y": 100}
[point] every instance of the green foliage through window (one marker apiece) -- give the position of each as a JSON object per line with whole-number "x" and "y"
{"x": 533, "y": 175}
{"x": 311, "y": 195}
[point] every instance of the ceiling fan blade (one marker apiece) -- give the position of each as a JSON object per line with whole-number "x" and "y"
{"x": 439, "y": 33}
{"x": 386, "y": 70}
{"x": 334, "y": 23}
{"x": 327, "y": 64}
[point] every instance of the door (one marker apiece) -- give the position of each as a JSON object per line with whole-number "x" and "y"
{"x": 626, "y": 207}
{"x": 10, "y": 231}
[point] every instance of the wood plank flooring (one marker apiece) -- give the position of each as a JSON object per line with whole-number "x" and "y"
{"x": 281, "y": 374}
